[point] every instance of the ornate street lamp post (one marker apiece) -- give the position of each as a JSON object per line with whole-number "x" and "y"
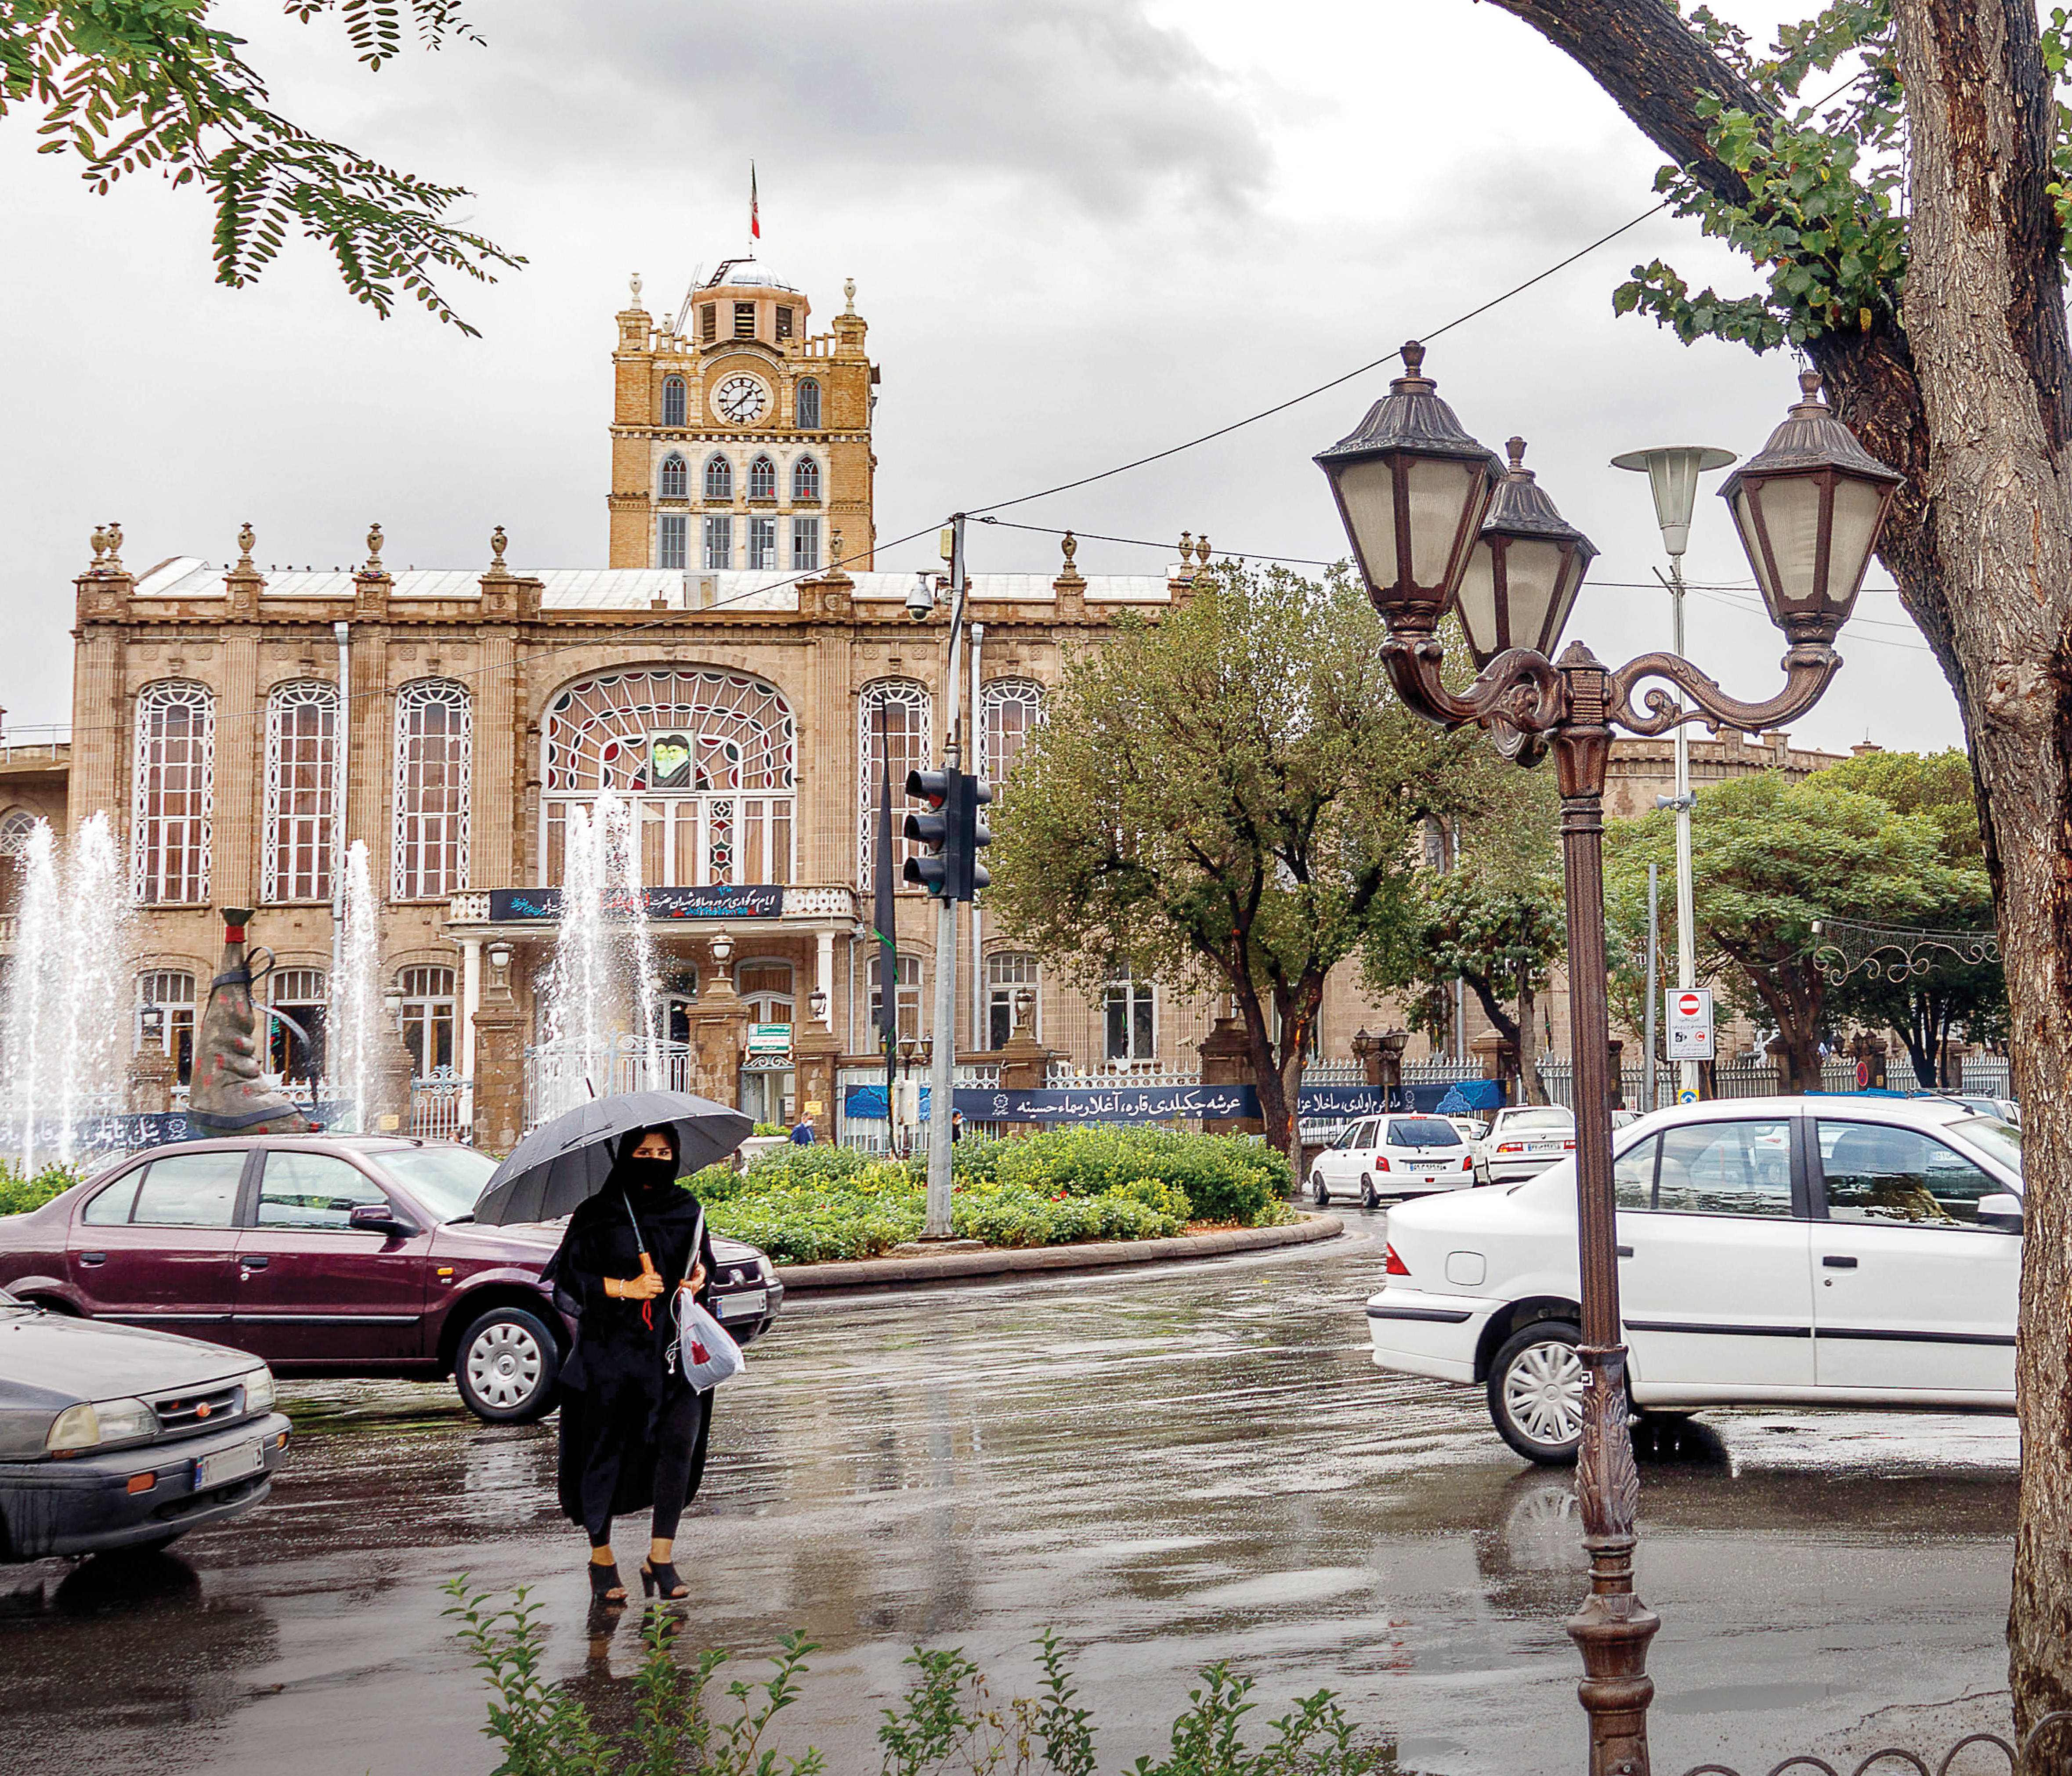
{"x": 1438, "y": 524}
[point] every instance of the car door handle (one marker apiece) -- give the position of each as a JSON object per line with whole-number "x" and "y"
{"x": 1838, "y": 1261}
{"x": 93, "y": 1257}
{"x": 254, "y": 1264}
{"x": 1625, "y": 1251}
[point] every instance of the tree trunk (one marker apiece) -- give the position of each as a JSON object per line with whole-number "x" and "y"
{"x": 1530, "y": 1087}
{"x": 1985, "y": 314}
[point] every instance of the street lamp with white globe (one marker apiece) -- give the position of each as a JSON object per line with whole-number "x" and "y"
{"x": 1438, "y": 525}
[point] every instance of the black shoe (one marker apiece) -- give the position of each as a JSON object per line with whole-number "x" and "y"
{"x": 603, "y": 1581}
{"x": 662, "y": 1578}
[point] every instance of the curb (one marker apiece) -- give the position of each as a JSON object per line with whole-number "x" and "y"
{"x": 1092, "y": 1254}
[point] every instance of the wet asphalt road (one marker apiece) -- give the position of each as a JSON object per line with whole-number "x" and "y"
{"x": 1168, "y": 1469}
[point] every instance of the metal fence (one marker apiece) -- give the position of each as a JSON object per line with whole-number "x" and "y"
{"x": 561, "y": 1075}
{"x": 437, "y": 1106}
{"x": 880, "y": 1134}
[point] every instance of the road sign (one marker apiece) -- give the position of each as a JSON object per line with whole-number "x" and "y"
{"x": 769, "y": 1038}
{"x": 1686, "y": 1096}
{"x": 1690, "y": 1023}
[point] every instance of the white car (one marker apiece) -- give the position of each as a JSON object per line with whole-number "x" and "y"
{"x": 1523, "y": 1140}
{"x": 1402, "y": 1155}
{"x": 1832, "y": 1251}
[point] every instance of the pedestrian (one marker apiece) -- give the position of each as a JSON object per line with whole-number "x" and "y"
{"x": 633, "y": 1430}
{"x": 803, "y": 1135}
{"x": 956, "y": 1125}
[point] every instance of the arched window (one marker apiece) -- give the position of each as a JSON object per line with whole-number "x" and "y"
{"x": 1007, "y": 974}
{"x": 174, "y": 794}
{"x": 428, "y": 1017}
{"x": 806, "y": 481}
{"x": 894, "y": 718}
{"x": 172, "y": 991}
{"x": 710, "y": 758}
{"x": 14, "y": 831}
{"x": 719, "y": 477}
{"x": 1012, "y": 708}
{"x": 302, "y": 791}
{"x": 675, "y": 481}
{"x": 762, "y": 478}
{"x": 766, "y": 985}
{"x": 297, "y": 994}
{"x": 808, "y": 416}
{"x": 673, "y": 403}
{"x": 433, "y": 727}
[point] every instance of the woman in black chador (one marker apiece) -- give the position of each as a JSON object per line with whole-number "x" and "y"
{"x": 633, "y": 1432}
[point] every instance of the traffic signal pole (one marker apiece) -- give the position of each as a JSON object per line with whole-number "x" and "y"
{"x": 942, "y": 1075}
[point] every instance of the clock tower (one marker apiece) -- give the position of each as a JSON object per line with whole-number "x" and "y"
{"x": 740, "y": 440}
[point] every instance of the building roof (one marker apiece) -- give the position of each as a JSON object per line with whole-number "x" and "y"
{"x": 745, "y": 274}
{"x": 635, "y": 588}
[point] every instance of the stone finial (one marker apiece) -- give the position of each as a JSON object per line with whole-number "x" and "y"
{"x": 247, "y": 536}
{"x": 373, "y": 549}
{"x": 100, "y": 544}
{"x": 1187, "y": 546}
{"x": 1202, "y": 548}
{"x": 848, "y": 295}
{"x": 498, "y": 543}
{"x": 835, "y": 549}
{"x": 635, "y": 282}
{"x": 1070, "y": 544}
{"x": 114, "y": 561}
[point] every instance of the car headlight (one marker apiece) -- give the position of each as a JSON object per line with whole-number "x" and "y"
{"x": 259, "y": 1390}
{"x": 92, "y": 1423}
{"x": 766, "y": 1270}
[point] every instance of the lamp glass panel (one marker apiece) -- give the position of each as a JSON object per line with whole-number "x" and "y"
{"x": 1534, "y": 576}
{"x": 1790, "y": 506}
{"x": 1752, "y": 543}
{"x": 1857, "y": 505}
{"x": 1368, "y": 493}
{"x": 1441, "y": 490}
{"x": 1476, "y": 600}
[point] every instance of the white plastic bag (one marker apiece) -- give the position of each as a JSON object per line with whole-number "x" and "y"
{"x": 705, "y": 1348}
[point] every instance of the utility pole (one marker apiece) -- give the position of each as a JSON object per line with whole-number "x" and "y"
{"x": 1672, "y": 475}
{"x": 942, "y": 1077}
{"x": 1653, "y": 936}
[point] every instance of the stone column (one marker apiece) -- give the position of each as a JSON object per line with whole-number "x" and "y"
{"x": 719, "y": 1028}
{"x": 1024, "y": 1063}
{"x": 500, "y": 1058}
{"x": 1227, "y": 1060}
{"x": 815, "y": 1060}
{"x": 823, "y": 966}
{"x": 152, "y": 1076}
{"x": 470, "y": 1000}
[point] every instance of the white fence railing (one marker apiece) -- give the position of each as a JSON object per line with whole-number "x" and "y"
{"x": 436, "y": 1106}
{"x": 560, "y": 1076}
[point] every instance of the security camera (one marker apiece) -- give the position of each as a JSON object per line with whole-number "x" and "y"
{"x": 921, "y": 601}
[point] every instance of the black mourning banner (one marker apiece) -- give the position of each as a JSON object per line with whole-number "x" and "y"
{"x": 517, "y": 904}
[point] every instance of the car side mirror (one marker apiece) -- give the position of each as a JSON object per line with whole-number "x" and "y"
{"x": 376, "y": 1218}
{"x": 2001, "y": 1212}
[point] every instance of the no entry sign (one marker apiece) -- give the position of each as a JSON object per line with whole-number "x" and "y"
{"x": 1690, "y": 1023}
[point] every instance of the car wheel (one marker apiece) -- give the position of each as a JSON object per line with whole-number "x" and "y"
{"x": 1368, "y": 1199}
{"x": 1535, "y": 1392}
{"x": 1319, "y": 1190}
{"x": 505, "y": 1367}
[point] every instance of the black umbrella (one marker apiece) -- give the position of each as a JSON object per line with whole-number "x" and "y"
{"x": 565, "y": 1162}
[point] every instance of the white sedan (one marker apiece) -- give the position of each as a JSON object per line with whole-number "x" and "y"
{"x": 1393, "y": 1156}
{"x": 1831, "y": 1251}
{"x": 1523, "y": 1140}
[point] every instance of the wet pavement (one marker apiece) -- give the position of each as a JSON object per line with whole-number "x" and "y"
{"x": 1168, "y": 1469}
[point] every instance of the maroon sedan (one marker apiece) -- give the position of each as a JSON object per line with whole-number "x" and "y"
{"x": 328, "y": 1255}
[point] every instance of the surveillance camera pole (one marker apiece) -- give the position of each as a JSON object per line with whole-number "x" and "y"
{"x": 942, "y": 1073}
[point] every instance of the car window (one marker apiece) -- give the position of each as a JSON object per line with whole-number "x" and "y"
{"x": 189, "y": 1190}
{"x": 313, "y": 1190}
{"x": 1633, "y": 1174}
{"x": 1422, "y": 1132}
{"x": 1726, "y": 1168}
{"x": 1899, "y": 1176}
{"x": 1363, "y": 1135}
{"x": 1548, "y": 1117}
{"x": 446, "y": 1180}
{"x": 1996, "y": 1139}
{"x": 110, "y": 1208}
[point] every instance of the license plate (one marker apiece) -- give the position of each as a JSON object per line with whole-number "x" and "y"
{"x": 749, "y": 1300}
{"x": 1536, "y": 1152}
{"x": 231, "y": 1463}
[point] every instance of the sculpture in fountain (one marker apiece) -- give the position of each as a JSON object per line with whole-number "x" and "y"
{"x": 228, "y": 1097}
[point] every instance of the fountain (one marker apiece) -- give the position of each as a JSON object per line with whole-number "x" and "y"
{"x": 354, "y": 1022}
{"x": 68, "y": 995}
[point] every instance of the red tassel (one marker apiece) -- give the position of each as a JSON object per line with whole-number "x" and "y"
{"x": 647, "y": 1315}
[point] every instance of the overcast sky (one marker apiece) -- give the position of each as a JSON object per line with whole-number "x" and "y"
{"x": 1081, "y": 231}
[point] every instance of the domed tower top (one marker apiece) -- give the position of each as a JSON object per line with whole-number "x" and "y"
{"x": 742, "y": 301}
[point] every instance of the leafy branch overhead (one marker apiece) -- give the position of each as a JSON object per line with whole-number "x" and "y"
{"x": 132, "y": 86}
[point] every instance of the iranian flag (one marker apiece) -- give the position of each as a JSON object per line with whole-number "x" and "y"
{"x": 754, "y": 209}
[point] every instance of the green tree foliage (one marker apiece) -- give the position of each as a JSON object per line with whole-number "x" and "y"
{"x": 1229, "y": 799}
{"x": 1768, "y": 859}
{"x": 1947, "y": 998}
{"x": 130, "y": 85}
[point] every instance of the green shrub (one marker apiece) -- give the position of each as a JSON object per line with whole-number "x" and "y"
{"x": 1224, "y": 1178}
{"x": 19, "y": 1195}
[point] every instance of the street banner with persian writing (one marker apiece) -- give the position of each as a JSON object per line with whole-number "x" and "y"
{"x": 761, "y": 901}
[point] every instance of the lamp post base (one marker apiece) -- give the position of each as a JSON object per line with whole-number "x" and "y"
{"x": 1612, "y": 1630}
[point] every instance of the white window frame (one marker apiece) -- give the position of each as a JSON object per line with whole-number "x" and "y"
{"x": 762, "y": 545}
{"x": 808, "y": 396}
{"x": 885, "y": 692}
{"x": 717, "y": 553}
{"x": 716, "y": 478}
{"x": 672, "y": 540}
{"x": 1007, "y": 973}
{"x": 429, "y": 1005}
{"x": 153, "y": 834}
{"x": 762, "y": 474}
{"x": 311, "y": 832}
{"x": 806, "y": 481}
{"x": 675, "y": 468}
{"x": 995, "y": 699}
{"x": 805, "y": 546}
{"x": 429, "y": 851}
{"x": 1140, "y": 1000}
{"x": 674, "y": 389}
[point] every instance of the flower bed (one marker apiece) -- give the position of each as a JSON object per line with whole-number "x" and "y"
{"x": 803, "y": 1205}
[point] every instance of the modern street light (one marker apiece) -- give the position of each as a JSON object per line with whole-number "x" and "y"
{"x": 1434, "y": 528}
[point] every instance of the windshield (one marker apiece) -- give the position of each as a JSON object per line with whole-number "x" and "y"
{"x": 446, "y": 1180}
{"x": 2001, "y": 1141}
{"x": 1549, "y": 1118}
{"x": 1422, "y": 1132}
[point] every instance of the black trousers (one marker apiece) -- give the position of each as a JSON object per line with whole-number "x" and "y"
{"x": 679, "y": 1444}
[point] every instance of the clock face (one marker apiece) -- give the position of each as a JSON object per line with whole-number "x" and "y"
{"x": 742, "y": 399}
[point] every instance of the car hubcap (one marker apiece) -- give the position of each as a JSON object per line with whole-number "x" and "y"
{"x": 1543, "y": 1391}
{"x": 504, "y": 1365}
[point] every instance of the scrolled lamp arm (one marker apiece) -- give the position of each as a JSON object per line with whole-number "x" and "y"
{"x": 1519, "y": 696}
{"x": 1808, "y": 668}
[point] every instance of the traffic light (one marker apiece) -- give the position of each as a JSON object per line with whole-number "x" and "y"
{"x": 934, "y": 828}
{"x": 968, "y": 837}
